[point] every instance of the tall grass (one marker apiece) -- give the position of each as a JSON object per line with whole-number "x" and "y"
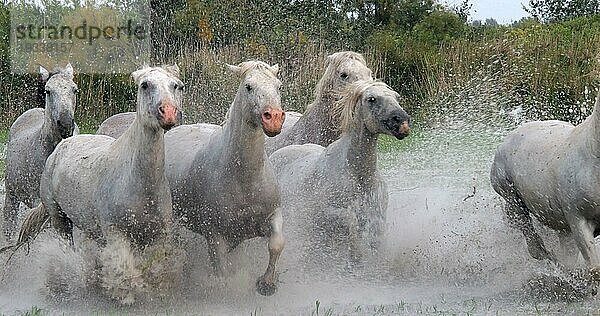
{"x": 550, "y": 71}
{"x": 547, "y": 70}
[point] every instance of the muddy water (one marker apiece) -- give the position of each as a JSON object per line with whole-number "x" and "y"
{"x": 448, "y": 249}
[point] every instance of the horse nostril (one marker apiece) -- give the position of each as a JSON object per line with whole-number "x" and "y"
{"x": 267, "y": 116}
{"x": 161, "y": 110}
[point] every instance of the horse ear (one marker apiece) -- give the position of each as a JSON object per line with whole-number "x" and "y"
{"x": 69, "y": 70}
{"x": 136, "y": 75}
{"x": 174, "y": 70}
{"x": 329, "y": 59}
{"x": 275, "y": 69}
{"x": 234, "y": 69}
{"x": 44, "y": 73}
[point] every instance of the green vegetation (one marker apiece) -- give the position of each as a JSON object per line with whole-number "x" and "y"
{"x": 426, "y": 51}
{"x": 34, "y": 311}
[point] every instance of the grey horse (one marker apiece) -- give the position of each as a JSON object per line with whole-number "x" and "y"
{"x": 109, "y": 187}
{"x": 550, "y": 169}
{"x": 33, "y": 137}
{"x": 222, "y": 183}
{"x": 320, "y": 123}
{"x": 338, "y": 190}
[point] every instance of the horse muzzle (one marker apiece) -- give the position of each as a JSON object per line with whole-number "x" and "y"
{"x": 272, "y": 121}
{"x": 168, "y": 116}
{"x": 398, "y": 125}
{"x": 403, "y": 130}
{"x": 65, "y": 127}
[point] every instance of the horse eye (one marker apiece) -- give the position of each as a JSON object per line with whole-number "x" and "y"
{"x": 371, "y": 99}
{"x": 144, "y": 85}
{"x": 248, "y": 87}
{"x": 344, "y": 76}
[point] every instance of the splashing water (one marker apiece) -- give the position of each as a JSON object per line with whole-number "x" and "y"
{"x": 448, "y": 248}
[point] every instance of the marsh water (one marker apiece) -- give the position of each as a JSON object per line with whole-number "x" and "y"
{"x": 448, "y": 250}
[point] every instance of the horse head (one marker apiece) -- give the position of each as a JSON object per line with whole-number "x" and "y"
{"x": 159, "y": 96}
{"x": 260, "y": 90}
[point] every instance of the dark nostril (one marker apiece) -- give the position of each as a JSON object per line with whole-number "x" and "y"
{"x": 267, "y": 116}
{"x": 161, "y": 110}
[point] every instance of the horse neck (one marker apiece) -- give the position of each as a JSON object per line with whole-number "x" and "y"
{"x": 361, "y": 153}
{"x": 243, "y": 145}
{"x": 142, "y": 148}
{"x": 49, "y": 135}
{"x": 319, "y": 120}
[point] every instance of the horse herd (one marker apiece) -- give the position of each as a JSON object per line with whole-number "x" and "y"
{"x": 133, "y": 182}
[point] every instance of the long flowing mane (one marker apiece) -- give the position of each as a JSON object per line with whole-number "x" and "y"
{"x": 350, "y": 98}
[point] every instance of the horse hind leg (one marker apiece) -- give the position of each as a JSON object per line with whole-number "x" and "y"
{"x": 266, "y": 284}
{"x": 61, "y": 222}
{"x": 519, "y": 216}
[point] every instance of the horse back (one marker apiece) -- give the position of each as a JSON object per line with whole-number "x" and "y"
{"x": 29, "y": 122}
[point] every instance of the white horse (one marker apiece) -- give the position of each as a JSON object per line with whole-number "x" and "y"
{"x": 320, "y": 123}
{"x": 222, "y": 183}
{"x": 551, "y": 169}
{"x": 116, "y": 189}
{"x": 338, "y": 190}
{"x": 33, "y": 137}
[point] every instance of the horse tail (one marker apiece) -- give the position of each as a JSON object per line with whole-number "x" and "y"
{"x": 32, "y": 226}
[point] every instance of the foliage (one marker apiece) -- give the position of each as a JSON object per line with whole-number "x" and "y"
{"x": 562, "y": 10}
{"x": 422, "y": 49}
{"x": 439, "y": 26}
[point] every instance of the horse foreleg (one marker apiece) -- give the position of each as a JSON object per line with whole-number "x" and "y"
{"x": 11, "y": 210}
{"x": 266, "y": 285}
{"x": 217, "y": 250}
{"x": 583, "y": 232}
{"x": 518, "y": 215}
{"x": 355, "y": 242}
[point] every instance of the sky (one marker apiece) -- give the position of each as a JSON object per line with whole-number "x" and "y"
{"x": 503, "y": 11}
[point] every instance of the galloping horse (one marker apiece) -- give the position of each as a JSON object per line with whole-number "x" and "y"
{"x": 222, "y": 183}
{"x": 551, "y": 169}
{"x": 33, "y": 137}
{"x": 115, "y": 188}
{"x": 338, "y": 190}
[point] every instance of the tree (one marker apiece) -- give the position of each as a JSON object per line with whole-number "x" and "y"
{"x": 549, "y": 11}
{"x": 490, "y": 22}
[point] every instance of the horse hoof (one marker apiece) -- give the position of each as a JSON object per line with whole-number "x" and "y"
{"x": 264, "y": 288}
